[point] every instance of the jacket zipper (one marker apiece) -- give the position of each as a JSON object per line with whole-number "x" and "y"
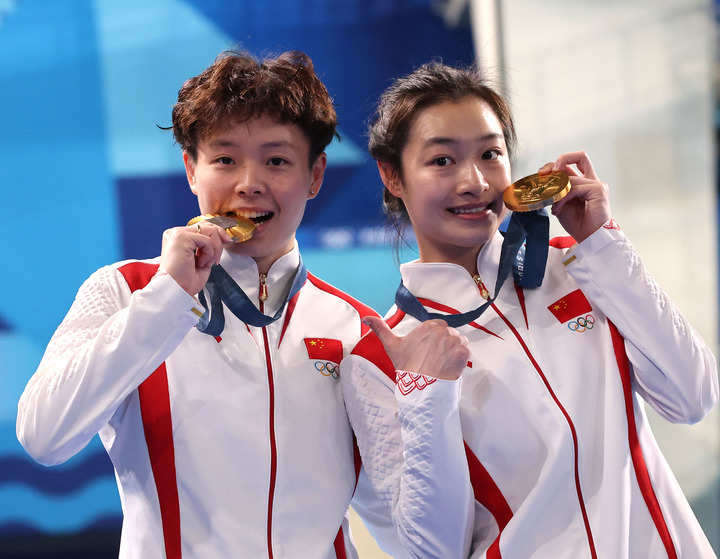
{"x": 484, "y": 292}
{"x": 271, "y": 420}
{"x": 263, "y": 289}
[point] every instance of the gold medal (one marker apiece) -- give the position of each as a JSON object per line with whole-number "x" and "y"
{"x": 536, "y": 191}
{"x": 239, "y": 228}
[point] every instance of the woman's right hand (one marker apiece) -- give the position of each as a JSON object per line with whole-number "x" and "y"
{"x": 189, "y": 253}
{"x": 587, "y": 206}
{"x": 433, "y": 348}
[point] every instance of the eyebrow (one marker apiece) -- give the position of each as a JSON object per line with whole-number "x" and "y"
{"x": 220, "y": 143}
{"x": 231, "y": 144}
{"x": 442, "y": 140}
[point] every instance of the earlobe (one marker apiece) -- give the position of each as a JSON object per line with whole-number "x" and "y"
{"x": 390, "y": 178}
{"x": 190, "y": 171}
{"x": 318, "y": 171}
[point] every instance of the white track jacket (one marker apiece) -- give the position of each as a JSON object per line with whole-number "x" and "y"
{"x": 235, "y": 447}
{"x": 559, "y": 452}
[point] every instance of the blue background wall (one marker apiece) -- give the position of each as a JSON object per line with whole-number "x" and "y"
{"x": 88, "y": 178}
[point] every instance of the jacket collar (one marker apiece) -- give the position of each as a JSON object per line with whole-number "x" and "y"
{"x": 451, "y": 284}
{"x": 244, "y": 271}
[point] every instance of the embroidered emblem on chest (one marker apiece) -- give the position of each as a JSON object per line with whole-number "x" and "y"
{"x": 574, "y": 308}
{"x": 407, "y": 382}
{"x": 582, "y": 323}
{"x": 327, "y": 354}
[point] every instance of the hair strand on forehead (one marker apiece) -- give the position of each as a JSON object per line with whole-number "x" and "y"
{"x": 237, "y": 87}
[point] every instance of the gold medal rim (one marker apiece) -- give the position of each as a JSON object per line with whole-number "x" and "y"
{"x": 517, "y": 206}
{"x": 243, "y": 230}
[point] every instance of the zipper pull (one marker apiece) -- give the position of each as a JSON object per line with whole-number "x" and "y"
{"x": 263, "y": 287}
{"x": 484, "y": 293}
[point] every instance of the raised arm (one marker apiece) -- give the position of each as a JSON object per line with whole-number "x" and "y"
{"x": 111, "y": 341}
{"x": 674, "y": 369}
{"x": 410, "y": 438}
{"x": 108, "y": 344}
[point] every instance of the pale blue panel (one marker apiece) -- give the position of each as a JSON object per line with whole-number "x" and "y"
{"x": 56, "y": 192}
{"x": 19, "y": 357}
{"x": 55, "y": 515}
{"x": 148, "y": 50}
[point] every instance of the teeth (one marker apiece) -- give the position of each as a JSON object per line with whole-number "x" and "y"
{"x": 251, "y": 215}
{"x": 468, "y": 210}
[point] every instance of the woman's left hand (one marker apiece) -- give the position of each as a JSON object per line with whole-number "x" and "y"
{"x": 587, "y": 206}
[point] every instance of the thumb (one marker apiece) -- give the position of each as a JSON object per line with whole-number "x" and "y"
{"x": 381, "y": 330}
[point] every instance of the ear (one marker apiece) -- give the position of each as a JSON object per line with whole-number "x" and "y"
{"x": 190, "y": 171}
{"x": 317, "y": 173}
{"x": 390, "y": 178}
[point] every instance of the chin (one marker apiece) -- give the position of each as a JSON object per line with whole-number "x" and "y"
{"x": 244, "y": 248}
{"x": 486, "y": 233}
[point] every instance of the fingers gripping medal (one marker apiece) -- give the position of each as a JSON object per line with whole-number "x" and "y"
{"x": 536, "y": 191}
{"x": 239, "y": 228}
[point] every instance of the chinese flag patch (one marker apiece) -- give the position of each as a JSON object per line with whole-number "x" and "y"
{"x": 325, "y": 349}
{"x": 572, "y": 305}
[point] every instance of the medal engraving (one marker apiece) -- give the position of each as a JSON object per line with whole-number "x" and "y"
{"x": 239, "y": 228}
{"x": 536, "y": 191}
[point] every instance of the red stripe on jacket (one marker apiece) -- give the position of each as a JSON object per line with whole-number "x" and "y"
{"x": 638, "y": 460}
{"x": 288, "y": 313}
{"x": 562, "y": 242}
{"x": 157, "y": 424}
{"x": 362, "y": 310}
{"x": 339, "y": 545}
{"x": 449, "y": 310}
{"x": 488, "y": 494}
{"x": 371, "y": 348}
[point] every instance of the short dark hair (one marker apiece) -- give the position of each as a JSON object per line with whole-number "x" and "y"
{"x": 238, "y": 87}
{"x": 429, "y": 85}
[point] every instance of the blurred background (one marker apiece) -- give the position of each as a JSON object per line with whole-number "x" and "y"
{"x": 88, "y": 178}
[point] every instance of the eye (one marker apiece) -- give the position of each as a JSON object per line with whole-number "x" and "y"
{"x": 491, "y": 154}
{"x": 442, "y": 161}
{"x": 276, "y": 161}
{"x": 225, "y": 160}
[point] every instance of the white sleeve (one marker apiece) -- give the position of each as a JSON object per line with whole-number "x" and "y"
{"x": 109, "y": 342}
{"x": 674, "y": 370}
{"x": 414, "y": 457}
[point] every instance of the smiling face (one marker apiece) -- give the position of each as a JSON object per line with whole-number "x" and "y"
{"x": 455, "y": 167}
{"x": 257, "y": 169}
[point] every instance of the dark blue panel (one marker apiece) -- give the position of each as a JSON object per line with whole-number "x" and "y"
{"x": 54, "y": 481}
{"x": 147, "y": 207}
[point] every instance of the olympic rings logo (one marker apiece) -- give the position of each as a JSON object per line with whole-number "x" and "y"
{"x": 582, "y": 323}
{"x": 328, "y": 369}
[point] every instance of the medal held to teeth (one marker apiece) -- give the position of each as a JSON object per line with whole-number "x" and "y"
{"x": 536, "y": 191}
{"x": 239, "y": 228}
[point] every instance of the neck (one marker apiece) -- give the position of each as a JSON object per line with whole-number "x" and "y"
{"x": 263, "y": 261}
{"x": 466, "y": 258}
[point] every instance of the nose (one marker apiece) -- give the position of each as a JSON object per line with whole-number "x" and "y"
{"x": 249, "y": 179}
{"x": 474, "y": 180}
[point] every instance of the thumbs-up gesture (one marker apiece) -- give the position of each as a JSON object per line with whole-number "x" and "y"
{"x": 432, "y": 349}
